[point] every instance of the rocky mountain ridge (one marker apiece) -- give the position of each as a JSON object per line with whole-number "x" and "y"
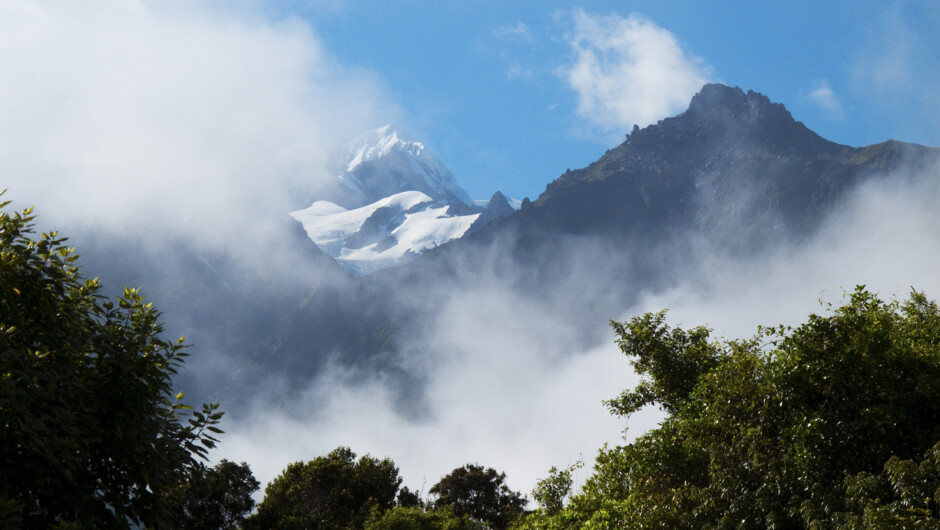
{"x": 734, "y": 166}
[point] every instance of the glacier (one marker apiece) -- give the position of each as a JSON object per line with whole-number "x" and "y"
{"x": 385, "y": 233}
{"x": 399, "y": 201}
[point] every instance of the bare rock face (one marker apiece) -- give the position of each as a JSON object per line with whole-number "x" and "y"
{"x": 497, "y": 208}
{"x": 734, "y": 167}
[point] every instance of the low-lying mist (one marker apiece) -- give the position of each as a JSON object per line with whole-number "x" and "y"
{"x": 513, "y": 377}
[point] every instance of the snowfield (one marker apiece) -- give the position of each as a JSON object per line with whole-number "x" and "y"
{"x": 403, "y": 201}
{"x": 402, "y": 226}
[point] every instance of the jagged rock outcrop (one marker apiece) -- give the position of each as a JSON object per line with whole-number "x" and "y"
{"x": 735, "y": 167}
{"x": 497, "y": 208}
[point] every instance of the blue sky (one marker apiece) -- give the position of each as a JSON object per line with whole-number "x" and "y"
{"x": 484, "y": 83}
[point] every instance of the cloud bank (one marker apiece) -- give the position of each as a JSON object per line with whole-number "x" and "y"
{"x": 164, "y": 119}
{"x": 884, "y": 237}
{"x": 501, "y": 381}
{"x": 629, "y": 71}
{"x": 507, "y": 385}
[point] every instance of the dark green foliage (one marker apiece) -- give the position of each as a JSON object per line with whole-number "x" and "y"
{"x": 409, "y": 499}
{"x": 479, "y": 493}
{"x": 216, "y": 498}
{"x": 402, "y": 518}
{"x": 905, "y": 495}
{"x": 674, "y": 359}
{"x": 791, "y": 429}
{"x": 91, "y": 434}
{"x": 333, "y": 491}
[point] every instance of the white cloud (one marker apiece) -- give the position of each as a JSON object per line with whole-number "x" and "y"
{"x": 516, "y": 45}
{"x": 887, "y": 65}
{"x": 518, "y": 31}
{"x": 165, "y": 118}
{"x": 519, "y": 414}
{"x": 885, "y": 237}
{"x": 629, "y": 71}
{"x": 518, "y": 71}
{"x": 823, "y": 96}
{"x": 506, "y": 386}
{"x": 898, "y": 73}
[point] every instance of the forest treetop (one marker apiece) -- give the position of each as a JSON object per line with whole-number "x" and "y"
{"x": 833, "y": 423}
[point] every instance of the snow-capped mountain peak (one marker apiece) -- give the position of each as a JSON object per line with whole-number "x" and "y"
{"x": 397, "y": 200}
{"x": 378, "y": 143}
{"x": 383, "y": 162}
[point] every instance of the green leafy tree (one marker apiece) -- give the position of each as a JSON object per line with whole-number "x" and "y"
{"x": 481, "y": 494}
{"x": 673, "y": 359}
{"x": 416, "y": 518}
{"x": 906, "y": 494}
{"x": 216, "y": 497}
{"x": 409, "y": 499}
{"x": 91, "y": 434}
{"x": 332, "y": 491}
{"x": 790, "y": 429}
{"x": 551, "y": 491}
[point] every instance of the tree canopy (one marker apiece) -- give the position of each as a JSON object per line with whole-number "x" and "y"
{"x": 216, "y": 497}
{"x": 337, "y": 491}
{"x": 479, "y": 493}
{"x": 332, "y": 491}
{"x": 91, "y": 434}
{"x": 833, "y": 424}
{"x": 418, "y": 518}
{"x": 551, "y": 491}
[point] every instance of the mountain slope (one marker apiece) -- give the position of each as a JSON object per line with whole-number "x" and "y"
{"x": 734, "y": 167}
{"x": 384, "y": 162}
